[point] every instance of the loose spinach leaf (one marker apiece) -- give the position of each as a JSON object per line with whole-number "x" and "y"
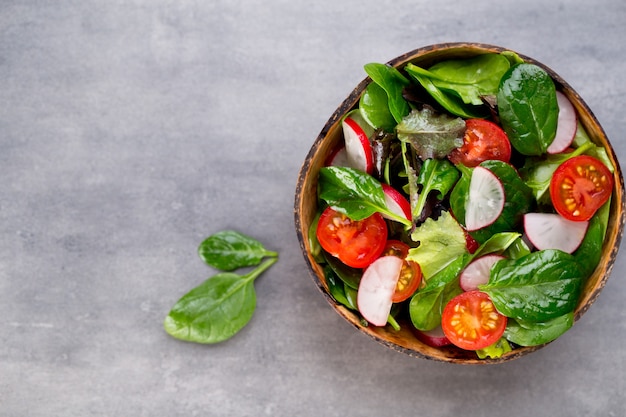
{"x": 374, "y": 107}
{"x": 393, "y": 82}
{"x": 427, "y": 304}
{"x": 228, "y": 250}
{"x": 217, "y": 309}
{"x": 469, "y": 78}
{"x": 533, "y": 334}
{"x": 354, "y": 193}
{"x": 436, "y": 175}
{"x": 528, "y": 108}
{"x": 536, "y": 288}
{"x": 444, "y": 240}
{"x": 431, "y": 134}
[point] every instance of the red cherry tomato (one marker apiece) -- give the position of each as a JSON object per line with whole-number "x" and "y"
{"x": 471, "y": 321}
{"x": 355, "y": 243}
{"x": 483, "y": 140}
{"x": 410, "y": 274}
{"x": 580, "y": 186}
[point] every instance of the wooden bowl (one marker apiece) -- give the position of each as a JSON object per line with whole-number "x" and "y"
{"x": 331, "y": 134}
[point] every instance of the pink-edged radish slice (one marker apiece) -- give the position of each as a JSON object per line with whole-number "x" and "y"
{"x": 338, "y": 158}
{"x": 396, "y": 202}
{"x": 566, "y": 125}
{"x": 376, "y": 289}
{"x": 358, "y": 146}
{"x": 553, "y": 231}
{"x": 433, "y": 338}
{"x": 485, "y": 200}
{"x": 477, "y": 272}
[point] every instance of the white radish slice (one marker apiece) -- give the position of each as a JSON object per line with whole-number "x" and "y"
{"x": 358, "y": 146}
{"x": 485, "y": 201}
{"x": 552, "y": 231}
{"x": 376, "y": 289}
{"x": 396, "y": 202}
{"x": 434, "y": 337}
{"x": 477, "y": 272}
{"x": 339, "y": 158}
{"x": 566, "y": 125}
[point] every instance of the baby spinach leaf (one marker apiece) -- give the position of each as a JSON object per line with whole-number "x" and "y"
{"x": 354, "y": 193}
{"x": 445, "y": 242}
{"x": 336, "y": 287}
{"x": 228, "y": 250}
{"x": 469, "y": 78}
{"x": 436, "y": 175}
{"x": 533, "y": 334}
{"x": 427, "y": 304}
{"x": 351, "y": 277}
{"x": 498, "y": 243}
{"x": 393, "y": 82}
{"x": 431, "y": 134}
{"x": 374, "y": 107}
{"x": 589, "y": 252}
{"x": 217, "y": 309}
{"x": 536, "y": 288}
{"x": 528, "y": 108}
{"x": 450, "y": 102}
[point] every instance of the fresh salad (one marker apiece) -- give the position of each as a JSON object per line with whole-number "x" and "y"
{"x": 467, "y": 201}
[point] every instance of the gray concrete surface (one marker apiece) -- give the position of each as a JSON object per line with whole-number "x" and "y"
{"x": 131, "y": 130}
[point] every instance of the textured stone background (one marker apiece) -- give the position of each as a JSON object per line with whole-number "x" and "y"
{"x": 131, "y": 130}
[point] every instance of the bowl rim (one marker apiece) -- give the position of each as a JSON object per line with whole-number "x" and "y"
{"x": 431, "y": 53}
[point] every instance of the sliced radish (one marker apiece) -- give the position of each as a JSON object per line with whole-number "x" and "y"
{"x": 552, "y": 231}
{"x": 566, "y": 125}
{"x": 396, "y": 202}
{"x": 485, "y": 201}
{"x": 338, "y": 158}
{"x": 477, "y": 272}
{"x": 358, "y": 146}
{"x": 434, "y": 337}
{"x": 376, "y": 289}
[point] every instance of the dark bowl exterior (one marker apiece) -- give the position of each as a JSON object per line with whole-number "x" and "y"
{"x": 405, "y": 340}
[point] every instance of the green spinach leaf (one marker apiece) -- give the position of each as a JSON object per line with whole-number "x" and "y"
{"x": 436, "y": 175}
{"x": 374, "y": 107}
{"x": 354, "y": 193}
{"x": 427, "y": 304}
{"x": 393, "y": 82}
{"x": 528, "y": 108}
{"x": 431, "y": 134}
{"x": 533, "y": 334}
{"x": 228, "y": 250}
{"x": 217, "y": 309}
{"x": 589, "y": 252}
{"x": 470, "y": 78}
{"x": 536, "y": 288}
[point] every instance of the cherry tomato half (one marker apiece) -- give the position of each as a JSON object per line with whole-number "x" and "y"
{"x": 410, "y": 274}
{"x": 471, "y": 321}
{"x": 355, "y": 243}
{"x": 483, "y": 140}
{"x": 580, "y": 186}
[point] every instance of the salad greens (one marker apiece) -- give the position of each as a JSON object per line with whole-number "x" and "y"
{"x": 222, "y": 305}
{"x": 536, "y": 290}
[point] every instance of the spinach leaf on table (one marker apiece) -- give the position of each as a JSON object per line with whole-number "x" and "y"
{"x": 229, "y": 250}
{"x": 216, "y": 309}
{"x": 222, "y": 305}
